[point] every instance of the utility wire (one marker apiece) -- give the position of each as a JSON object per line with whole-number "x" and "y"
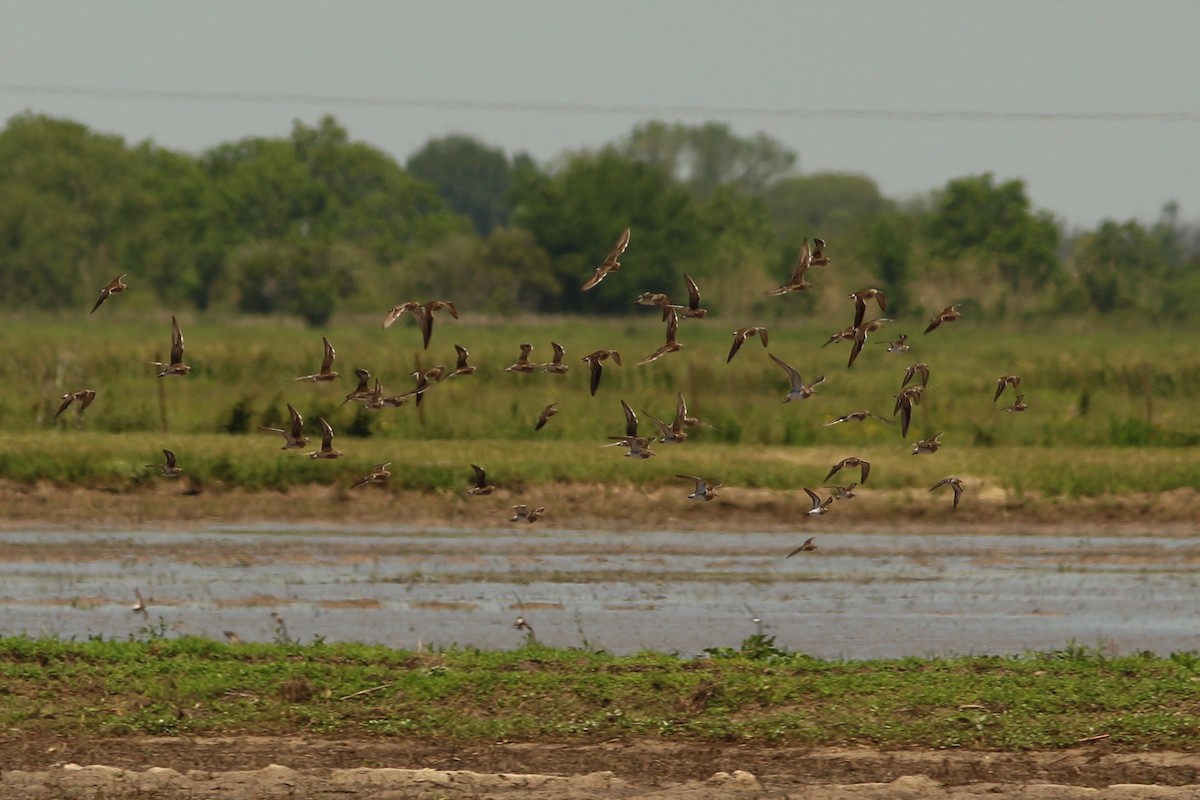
{"x": 447, "y": 104}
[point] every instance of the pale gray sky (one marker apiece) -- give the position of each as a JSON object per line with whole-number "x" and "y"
{"x": 736, "y": 60}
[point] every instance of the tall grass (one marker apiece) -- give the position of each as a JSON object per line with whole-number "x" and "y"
{"x": 1089, "y": 389}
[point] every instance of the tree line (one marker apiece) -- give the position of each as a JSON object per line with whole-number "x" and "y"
{"x": 316, "y": 222}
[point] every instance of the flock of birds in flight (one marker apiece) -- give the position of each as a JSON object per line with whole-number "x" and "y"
{"x": 369, "y": 390}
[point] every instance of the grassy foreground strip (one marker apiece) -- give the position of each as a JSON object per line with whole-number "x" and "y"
{"x": 191, "y": 686}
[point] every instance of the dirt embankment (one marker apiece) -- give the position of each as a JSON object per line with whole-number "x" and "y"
{"x": 252, "y": 767}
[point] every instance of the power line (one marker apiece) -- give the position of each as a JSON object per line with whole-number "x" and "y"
{"x": 447, "y": 104}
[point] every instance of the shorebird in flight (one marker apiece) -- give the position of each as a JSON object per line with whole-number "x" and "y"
{"x": 740, "y": 336}
{"x": 326, "y": 373}
{"x": 481, "y": 486}
{"x": 326, "y": 450}
{"x": 176, "y": 367}
{"x": 140, "y": 606}
{"x": 797, "y": 283}
{"x": 378, "y": 474}
{"x": 954, "y": 483}
{"x": 84, "y": 396}
{"x": 612, "y": 263}
{"x": 692, "y": 310}
{"x": 947, "y": 314}
{"x": 851, "y": 462}
{"x": 898, "y": 345}
{"x": 671, "y": 345}
{"x": 857, "y": 416}
{"x": 860, "y": 299}
{"x": 294, "y": 436}
{"x": 798, "y": 390}
{"x": 704, "y": 490}
{"x": 462, "y": 367}
{"x": 422, "y": 313}
{"x": 522, "y": 365}
{"x": 595, "y": 360}
{"x": 556, "y": 365}
{"x": 549, "y": 411}
{"x": 169, "y": 469}
{"x": 819, "y": 506}
{"x": 905, "y": 400}
{"x": 1019, "y": 404}
{"x": 1006, "y": 380}
{"x": 921, "y": 370}
{"x": 522, "y": 512}
{"x": 115, "y": 286}
{"x": 363, "y": 391}
{"x": 927, "y": 446}
{"x": 807, "y": 547}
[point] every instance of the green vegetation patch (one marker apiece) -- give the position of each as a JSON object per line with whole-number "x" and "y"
{"x": 756, "y": 693}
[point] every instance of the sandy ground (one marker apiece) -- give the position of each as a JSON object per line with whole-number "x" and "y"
{"x": 253, "y": 767}
{"x": 33, "y": 766}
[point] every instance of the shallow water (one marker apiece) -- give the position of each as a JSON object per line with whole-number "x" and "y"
{"x": 860, "y": 595}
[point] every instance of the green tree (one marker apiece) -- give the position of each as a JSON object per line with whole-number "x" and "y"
{"x": 822, "y": 204}
{"x": 974, "y": 216}
{"x": 705, "y": 157}
{"x": 471, "y": 177}
{"x": 577, "y": 213}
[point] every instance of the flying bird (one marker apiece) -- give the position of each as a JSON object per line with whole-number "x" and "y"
{"x": 819, "y": 506}
{"x": 798, "y": 390}
{"x": 898, "y": 345}
{"x": 611, "y": 263}
{"x": 671, "y": 345}
{"x": 522, "y": 512}
{"x": 921, "y": 370}
{"x": 851, "y": 462}
{"x": 595, "y": 360}
{"x": 954, "y": 483}
{"x": 704, "y": 490}
{"x": 462, "y": 367}
{"x": 556, "y": 365}
{"x": 1006, "y": 380}
{"x": 423, "y": 313}
{"x": 481, "y": 486}
{"x": 363, "y": 391}
{"x": 378, "y": 474}
{"x": 176, "y": 367}
{"x": 294, "y": 436}
{"x": 807, "y": 547}
{"x": 326, "y": 373}
{"x": 84, "y": 396}
{"x": 857, "y": 416}
{"x": 860, "y": 299}
{"x": 927, "y": 446}
{"x": 1019, "y": 405}
{"x": 115, "y": 286}
{"x": 169, "y": 469}
{"x": 522, "y": 364}
{"x": 798, "y": 282}
{"x": 544, "y": 417}
{"x": 692, "y": 309}
{"x": 947, "y": 314}
{"x": 740, "y": 336}
{"x": 326, "y": 450}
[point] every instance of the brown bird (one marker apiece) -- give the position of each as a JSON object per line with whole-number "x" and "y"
{"x": 669, "y": 434}
{"x": 481, "y": 486}
{"x": 425, "y": 379}
{"x": 819, "y": 506}
{"x": 556, "y": 365}
{"x": 639, "y": 447}
{"x": 423, "y": 313}
{"x": 611, "y": 263}
{"x": 857, "y": 416}
{"x": 326, "y": 373}
{"x": 797, "y": 282}
{"x": 920, "y": 369}
{"x": 140, "y": 606}
{"x": 704, "y": 490}
{"x": 522, "y": 364}
{"x": 115, "y": 286}
{"x": 681, "y": 415}
{"x": 740, "y": 336}
{"x": 851, "y": 462}
{"x": 798, "y": 390}
{"x": 169, "y": 469}
{"x": 844, "y": 335}
{"x": 326, "y": 450}
{"x": 898, "y": 345}
{"x": 843, "y": 492}
{"x": 671, "y": 345}
{"x": 860, "y": 336}
{"x": 462, "y": 367}
{"x": 927, "y": 446}
{"x": 522, "y": 512}
{"x": 954, "y": 483}
{"x": 631, "y": 420}
{"x": 1019, "y": 405}
{"x": 547, "y": 412}
{"x": 595, "y": 360}
{"x": 652, "y": 299}
{"x": 1006, "y": 380}
{"x": 692, "y": 309}
{"x": 363, "y": 391}
{"x": 176, "y": 368}
{"x": 84, "y": 396}
{"x": 294, "y": 437}
{"x": 905, "y": 400}
{"x": 378, "y": 474}
{"x": 807, "y": 547}
{"x": 860, "y": 299}
{"x": 947, "y": 314}
{"x": 818, "y": 257}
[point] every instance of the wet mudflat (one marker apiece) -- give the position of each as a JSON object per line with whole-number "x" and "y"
{"x": 859, "y": 595}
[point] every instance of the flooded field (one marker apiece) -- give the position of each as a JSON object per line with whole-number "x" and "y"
{"x": 860, "y": 595}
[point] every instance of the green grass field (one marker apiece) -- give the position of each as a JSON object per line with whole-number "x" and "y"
{"x": 1110, "y": 410}
{"x": 191, "y": 686}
